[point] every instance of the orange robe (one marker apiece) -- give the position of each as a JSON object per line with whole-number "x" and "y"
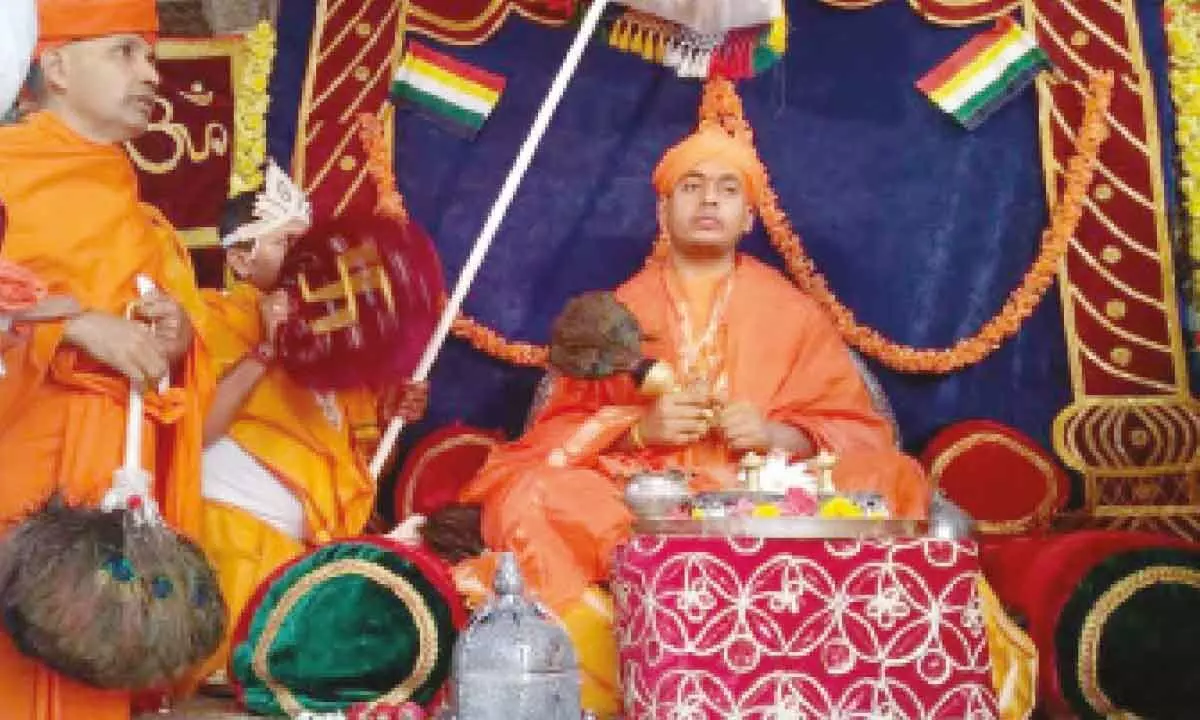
{"x": 554, "y": 497}
{"x": 281, "y": 425}
{"x": 76, "y": 222}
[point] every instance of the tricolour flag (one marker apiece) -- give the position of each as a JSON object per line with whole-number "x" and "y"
{"x": 985, "y": 73}
{"x": 446, "y": 88}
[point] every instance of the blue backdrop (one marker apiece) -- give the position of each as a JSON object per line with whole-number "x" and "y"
{"x": 921, "y": 227}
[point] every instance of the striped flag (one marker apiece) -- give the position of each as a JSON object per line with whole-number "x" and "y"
{"x": 446, "y": 88}
{"x": 985, "y": 73}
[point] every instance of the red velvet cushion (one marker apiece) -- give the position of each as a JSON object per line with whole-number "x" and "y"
{"x": 999, "y": 475}
{"x": 1048, "y": 577}
{"x": 439, "y": 466}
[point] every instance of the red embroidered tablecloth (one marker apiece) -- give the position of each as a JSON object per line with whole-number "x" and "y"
{"x": 712, "y": 627}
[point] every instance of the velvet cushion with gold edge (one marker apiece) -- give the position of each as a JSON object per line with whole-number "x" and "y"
{"x": 356, "y": 621}
{"x": 437, "y": 468}
{"x": 1128, "y": 638}
{"x": 999, "y": 475}
{"x": 1053, "y": 568}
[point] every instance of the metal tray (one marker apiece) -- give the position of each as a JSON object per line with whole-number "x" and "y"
{"x": 781, "y": 527}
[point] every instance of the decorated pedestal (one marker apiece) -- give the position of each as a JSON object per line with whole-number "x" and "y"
{"x": 753, "y": 627}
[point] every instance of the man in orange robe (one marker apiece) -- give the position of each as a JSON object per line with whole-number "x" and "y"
{"x": 75, "y": 221}
{"x": 760, "y": 368}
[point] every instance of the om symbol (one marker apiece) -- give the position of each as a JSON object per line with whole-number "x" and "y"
{"x": 215, "y": 141}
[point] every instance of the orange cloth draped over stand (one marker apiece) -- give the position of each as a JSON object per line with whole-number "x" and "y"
{"x": 76, "y": 222}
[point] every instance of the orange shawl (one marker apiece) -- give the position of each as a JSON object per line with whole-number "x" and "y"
{"x": 781, "y": 353}
{"x": 75, "y": 221}
{"x": 282, "y": 425}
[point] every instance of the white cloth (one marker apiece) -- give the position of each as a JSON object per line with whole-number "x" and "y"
{"x": 18, "y": 37}
{"x": 233, "y": 476}
{"x": 712, "y": 16}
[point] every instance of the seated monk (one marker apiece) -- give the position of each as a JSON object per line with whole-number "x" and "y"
{"x": 759, "y": 365}
{"x": 282, "y": 470}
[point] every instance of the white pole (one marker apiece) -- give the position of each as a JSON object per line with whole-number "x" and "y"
{"x": 507, "y": 192}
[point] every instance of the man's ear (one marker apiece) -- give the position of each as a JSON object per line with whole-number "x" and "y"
{"x": 661, "y": 211}
{"x": 239, "y": 260}
{"x": 53, "y": 66}
{"x": 748, "y": 225}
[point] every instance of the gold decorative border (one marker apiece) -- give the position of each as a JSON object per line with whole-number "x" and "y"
{"x": 400, "y": 586}
{"x": 934, "y": 19}
{"x": 1045, "y": 507}
{"x": 1087, "y": 662}
{"x": 304, "y": 132}
{"x": 315, "y": 40}
{"x": 432, "y": 453}
{"x": 1104, "y": 408}
{"x": 198, "y": 238}
{"x": 437, "y": 27}
{"x": 1142, "y": 84}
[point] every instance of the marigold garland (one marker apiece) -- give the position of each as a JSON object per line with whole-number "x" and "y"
{"x": 388, "y": 200}
{"x": 250, "y": 111}
{"x": 721, "y": 104}
{"x": 1183, "y": 40}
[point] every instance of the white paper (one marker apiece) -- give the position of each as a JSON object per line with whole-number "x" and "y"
{"x": 18, "y": 36}
{"x": 712, "y": 16}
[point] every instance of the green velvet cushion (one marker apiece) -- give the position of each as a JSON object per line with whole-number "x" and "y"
{"x": 350, "y": 622}
{"x": 1131, "y": 633}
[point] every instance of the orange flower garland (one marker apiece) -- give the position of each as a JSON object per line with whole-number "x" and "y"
{"x": 388, "y": 203}
{"x": 722, "y": 105}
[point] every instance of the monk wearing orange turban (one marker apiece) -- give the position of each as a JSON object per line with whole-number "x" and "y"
{"x": 760, "y": 366}
{"x": 75, "y": 221}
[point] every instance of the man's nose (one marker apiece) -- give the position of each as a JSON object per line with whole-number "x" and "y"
{"x": 709, "y": 194}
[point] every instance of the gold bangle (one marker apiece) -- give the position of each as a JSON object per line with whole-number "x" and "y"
{"x": 635, "y": 437}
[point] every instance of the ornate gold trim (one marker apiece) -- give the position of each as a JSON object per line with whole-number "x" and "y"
{"x": 197, "y": 238}
{"x": 1045, "y": 507}
{"x": 400, "y": 586}
{"x": 936, "y": 20}
{"x": 437, "y": 27}
{"x": 426, "y": 457}
{"x": 1108, "y": 411}
{"x": 1097, "y": 617}
{"x": 299, "y": 169}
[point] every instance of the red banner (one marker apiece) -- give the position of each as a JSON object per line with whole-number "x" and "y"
{"x": 185, "y": 158}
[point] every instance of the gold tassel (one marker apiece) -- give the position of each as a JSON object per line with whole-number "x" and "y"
{"x": 650, "y": 48}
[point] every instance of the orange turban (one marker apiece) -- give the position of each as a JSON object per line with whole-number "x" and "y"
{"x": 711, "y": 144}
{"x": 64, "y": 21}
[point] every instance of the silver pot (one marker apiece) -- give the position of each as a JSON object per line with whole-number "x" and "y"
{"x": 656, "y": 494}
{"x": 948, "y": 521}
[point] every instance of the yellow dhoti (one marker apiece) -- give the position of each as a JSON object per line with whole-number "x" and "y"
{"x": 244, "y": 551}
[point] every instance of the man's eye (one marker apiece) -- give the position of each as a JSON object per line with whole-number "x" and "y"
{"x": 691, "y": 187}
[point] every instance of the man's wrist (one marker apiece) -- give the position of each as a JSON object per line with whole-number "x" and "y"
{"x": 790, "y": 439}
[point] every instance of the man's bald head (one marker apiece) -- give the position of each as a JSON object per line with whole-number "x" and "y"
{"x": 103, "y": 88}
